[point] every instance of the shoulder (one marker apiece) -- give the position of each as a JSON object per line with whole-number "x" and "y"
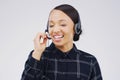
{"x": 87, "y": 57}
{"x": 84, "y": 55}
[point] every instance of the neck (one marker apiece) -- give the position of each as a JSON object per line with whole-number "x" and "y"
{"x": 65, "y": 48}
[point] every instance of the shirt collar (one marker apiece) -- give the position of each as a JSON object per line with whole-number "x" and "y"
{"x": 72, "y": 54}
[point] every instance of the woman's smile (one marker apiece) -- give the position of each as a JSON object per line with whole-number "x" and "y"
{"x": 58, "y": 38}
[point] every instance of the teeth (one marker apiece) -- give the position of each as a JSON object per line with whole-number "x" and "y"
{"x": 56, "y": 37}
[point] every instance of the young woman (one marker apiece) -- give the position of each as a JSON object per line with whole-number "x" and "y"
{"x": 61, "y": 60}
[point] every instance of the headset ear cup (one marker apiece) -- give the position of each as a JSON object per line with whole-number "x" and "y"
{"x": 77, "y": 28}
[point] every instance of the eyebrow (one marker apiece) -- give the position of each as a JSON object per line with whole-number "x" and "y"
{"x": 58, "y": 20}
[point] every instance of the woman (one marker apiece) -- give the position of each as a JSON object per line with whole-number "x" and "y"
{"x": 61, "y": 60}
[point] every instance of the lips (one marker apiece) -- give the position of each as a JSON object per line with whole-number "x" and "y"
{"x": 57, "y": 37}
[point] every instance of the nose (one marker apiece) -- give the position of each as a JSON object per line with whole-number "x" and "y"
{"x": 56, "y": 29}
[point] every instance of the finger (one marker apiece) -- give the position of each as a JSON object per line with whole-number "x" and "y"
{"x": 41, "y": 40}
{"x": 41, "y": 37}
{"x": 45, "y": 39}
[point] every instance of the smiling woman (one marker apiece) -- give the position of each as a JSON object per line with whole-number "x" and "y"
{"x": 61, "y": 30}
{"x": 61, "y": 60}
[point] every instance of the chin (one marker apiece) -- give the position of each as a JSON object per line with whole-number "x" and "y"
{"x": 58, "y": 44}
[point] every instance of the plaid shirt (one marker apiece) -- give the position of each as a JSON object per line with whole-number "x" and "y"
{"x": 56, "y": 65}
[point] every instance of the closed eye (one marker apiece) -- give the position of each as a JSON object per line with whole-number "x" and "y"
{"x": 63, "y": 25}
{"x": 51, "y": 26}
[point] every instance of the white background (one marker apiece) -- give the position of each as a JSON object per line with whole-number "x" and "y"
{"x": 20, "y": 20}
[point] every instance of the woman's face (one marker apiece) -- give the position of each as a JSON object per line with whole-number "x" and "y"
{"x": 60, "y": 28}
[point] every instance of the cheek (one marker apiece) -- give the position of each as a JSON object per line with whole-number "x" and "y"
{"x": 70, "y": 32}
{"x": 49, "y": 31}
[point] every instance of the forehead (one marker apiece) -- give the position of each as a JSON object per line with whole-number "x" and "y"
{"x": 56, "y": 15}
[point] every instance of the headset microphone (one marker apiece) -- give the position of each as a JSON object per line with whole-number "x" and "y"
{"x": 48, "y": 35}
{"x": 46, "y": 32}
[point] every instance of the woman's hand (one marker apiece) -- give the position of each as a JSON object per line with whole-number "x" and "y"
{"x": 39, "y": 46}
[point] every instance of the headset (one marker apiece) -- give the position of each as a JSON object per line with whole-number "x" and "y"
{"x": 77, "y": 29}
{"x": 47, "y": 32}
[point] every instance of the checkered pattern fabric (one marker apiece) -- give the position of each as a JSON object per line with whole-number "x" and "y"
{"x": 56, "y": 65}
